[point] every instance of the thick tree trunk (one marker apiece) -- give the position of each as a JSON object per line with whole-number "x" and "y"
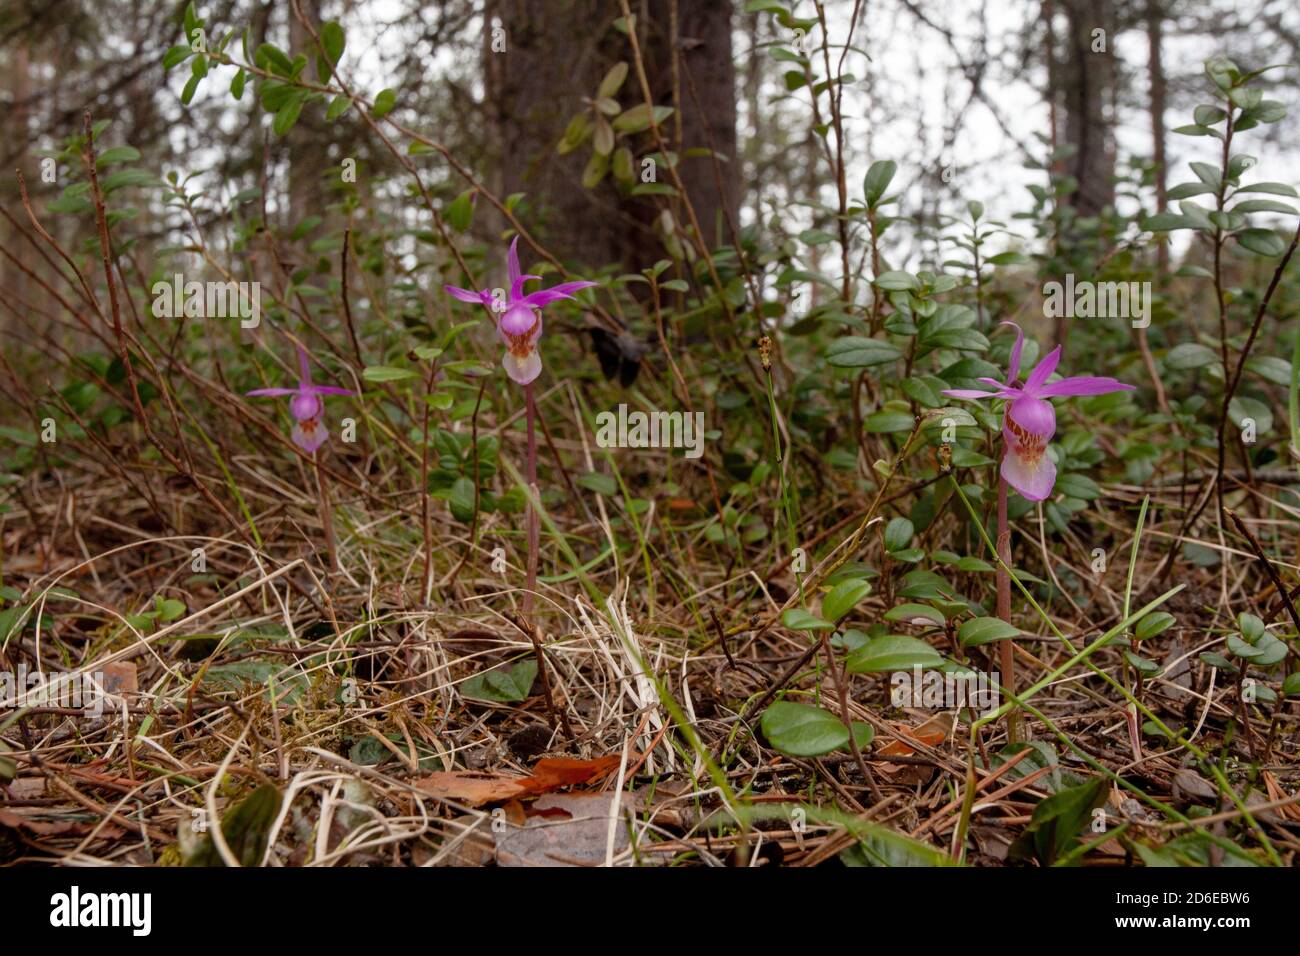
{"x": 308, "y": 156}
{"x": 543, "y": 79}
{"x": 1088, "y": 76}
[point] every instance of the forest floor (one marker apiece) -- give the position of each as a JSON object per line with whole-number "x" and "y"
{"x": 421, "y": 734}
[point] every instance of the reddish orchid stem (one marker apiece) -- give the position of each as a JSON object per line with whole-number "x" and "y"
{"x": 1008, "y": 663}
{"x": 326, "y": 514}
{"x": 533, "y": 531}
{"x": 560, "y": 717}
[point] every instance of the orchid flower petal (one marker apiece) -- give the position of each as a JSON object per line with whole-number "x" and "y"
{"x": 1013, "y": 368}
{"x": 1083, "y": 385}
{"x": 517, "y": 286}
{"x": 1043, "y": 371}
{"x": 304, "y": 368}
{"x": 969, "y": 393}
{"x": 272, "y": 392}
{"x": 512, "y": 263}
{"x": 328, "y": 390}
{"x": 465, "y": 295}
{"x": 564, "y": 290}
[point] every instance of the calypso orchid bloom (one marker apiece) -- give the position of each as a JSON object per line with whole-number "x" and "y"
{"x": 306, "y": 406}
{"x": 1029, "y": 420}
{"x": 520, "y": 323}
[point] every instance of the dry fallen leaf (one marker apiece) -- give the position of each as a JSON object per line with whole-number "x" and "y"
{"x": 120, "y": 678}
{"x": 563, "y": 829}
{"x": 931, "y": 733}
{"x": 475, "y": 788}
{"x": 470, "y": 787}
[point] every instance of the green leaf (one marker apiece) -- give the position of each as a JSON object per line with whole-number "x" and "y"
{"x": 1189, "y": 355}
{"x": 898, "y": 534}
{"x": 237, "y": 84}
{"x": 506, "y": 684}
{"x": 1054, "y": 828}
{"x": 1252, "y": 628}
{"x": 1154, "y": 623}
{"x": 1166, "y": 222}
{"x": 889, "y": 421}
{"x": 1241, "y": 648}
{"x": 844, "y": 597}
{"x": 461, "y": 499}
{"x": 1263, "y": 242}
{"x": 613, "y": 80}
{"x": 595, "y": 170}
{"x": 118, "y": 154}
{"x": 1144, "y": 665}
{"x": 288, "y": 115}
{"x": 1243, "y": 407}
{"x": 384, "y": 103}
{"x": 1275, "y": 189}
{"x": 386, "y": 373}
{"x": 893, "y": 652}
{"x": 802, "y": 730}
{"x": 169, "y": 609}
{"x": 896, "y": 281}
{"x": 638, "y": 118}
{"x": 797, "y": 619}
{"x": 1078, "y": 486}
{"x": 601, "y": 484}
{"x": 272, "y": 56}
{"x": 914, "y": 614}
{"x": 338, "y": 106}
{"x": 333, "y": 40}
{"x": 852, "y": 351}
{"x": 244, "y": 828}
{"x": 983, "y": 630}
{"x": 176, "y": 55}
{"x": 1264, "y": 205}
{"x": 460, "y": 211}
{"x": 877, "y": 180}
{"x": 10, "y": 619}
{"x": 1291, "y": 686}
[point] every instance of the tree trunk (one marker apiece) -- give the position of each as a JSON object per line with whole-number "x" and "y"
{"x": 309, "y": 138}
{"x": 1088, "y": 76}
{"x": 545, "y": 76}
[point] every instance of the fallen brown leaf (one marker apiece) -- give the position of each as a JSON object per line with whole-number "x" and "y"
{"x": 476, "y": 788}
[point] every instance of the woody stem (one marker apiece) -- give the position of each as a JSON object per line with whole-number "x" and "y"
{"x": 1004, "y": 606}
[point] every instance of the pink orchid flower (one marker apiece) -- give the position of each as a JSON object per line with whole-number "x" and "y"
{"x": 1029, "y": 421}
{"x": 306, "y": 406}
{"x": 520, "y": 323}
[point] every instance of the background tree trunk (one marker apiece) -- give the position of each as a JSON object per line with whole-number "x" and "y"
{"x": 539, "y": 83}
{"x": 1087, "y": 79}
